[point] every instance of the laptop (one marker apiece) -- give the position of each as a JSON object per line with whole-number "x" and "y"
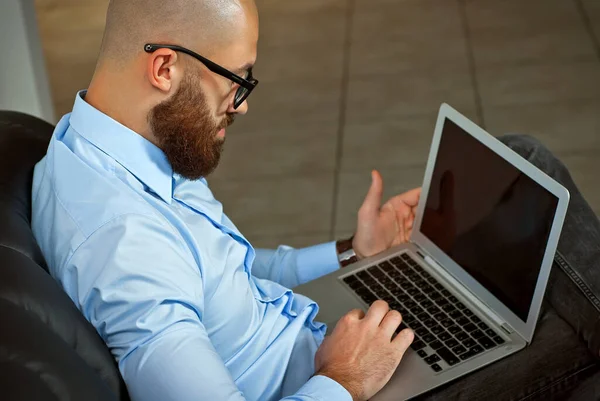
{"x": 471, "y": 280}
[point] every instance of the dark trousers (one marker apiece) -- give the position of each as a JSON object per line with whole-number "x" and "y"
{"x": 562, "y": 362}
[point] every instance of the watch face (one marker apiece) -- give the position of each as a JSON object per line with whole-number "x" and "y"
{"x": 347, "y": 257}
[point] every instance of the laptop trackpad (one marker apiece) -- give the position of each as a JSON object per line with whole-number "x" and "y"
{"x": 334, "y": 301}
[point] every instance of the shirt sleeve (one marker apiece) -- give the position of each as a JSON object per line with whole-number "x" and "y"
{"x": 138, "y": 284}
{"x": 291, "y": 267}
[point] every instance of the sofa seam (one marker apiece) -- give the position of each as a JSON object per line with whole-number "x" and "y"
{"x": 19, "y": 252}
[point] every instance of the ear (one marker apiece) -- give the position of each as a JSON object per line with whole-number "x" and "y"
{"x": 162, "y": 69}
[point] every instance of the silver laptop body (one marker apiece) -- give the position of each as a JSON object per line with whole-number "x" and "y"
{"x": 471, "y": 292}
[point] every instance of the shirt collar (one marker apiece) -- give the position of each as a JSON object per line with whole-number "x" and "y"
{"x": 135, "y": 153}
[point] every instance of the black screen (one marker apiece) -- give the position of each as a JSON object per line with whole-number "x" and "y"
{"x": 490, "y": 218}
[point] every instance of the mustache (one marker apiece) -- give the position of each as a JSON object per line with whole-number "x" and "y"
{"x": 227, "y": 121}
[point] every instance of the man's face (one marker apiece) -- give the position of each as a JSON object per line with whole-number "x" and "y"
{"x": 189, "y": 126}
{"x": 186, "y": 131}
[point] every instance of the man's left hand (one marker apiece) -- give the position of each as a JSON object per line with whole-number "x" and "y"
{"x": 382, "y": 227}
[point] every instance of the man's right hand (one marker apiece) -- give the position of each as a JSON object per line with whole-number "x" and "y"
{"x": 361, "y": 354}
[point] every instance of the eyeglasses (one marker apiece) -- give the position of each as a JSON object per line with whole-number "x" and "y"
{"x": 246, "y": 84}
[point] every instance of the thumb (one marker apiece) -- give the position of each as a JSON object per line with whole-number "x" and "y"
{"x": 372, "y": 201}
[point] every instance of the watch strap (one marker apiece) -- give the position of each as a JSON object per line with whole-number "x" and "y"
{"x": 346, "y": 254}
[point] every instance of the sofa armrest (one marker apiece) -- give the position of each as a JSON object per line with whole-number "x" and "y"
{"x": 36, "y": 364}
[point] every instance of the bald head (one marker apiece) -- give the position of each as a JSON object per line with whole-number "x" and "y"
{"x": 204, "y": 25}
{"x": 167, "y": 96}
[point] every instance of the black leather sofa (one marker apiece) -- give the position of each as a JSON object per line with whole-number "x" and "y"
{"x": 48, "y": 351}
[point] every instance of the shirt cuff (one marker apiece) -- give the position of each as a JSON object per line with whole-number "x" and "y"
{"x": 316, "y": 261}
{"x": 322, "y": 388}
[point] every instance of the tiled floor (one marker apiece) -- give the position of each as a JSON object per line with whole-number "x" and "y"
{"x": 351, "y": 85}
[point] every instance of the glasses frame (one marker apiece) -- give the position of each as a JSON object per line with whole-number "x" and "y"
{"x": 247, "y": 85}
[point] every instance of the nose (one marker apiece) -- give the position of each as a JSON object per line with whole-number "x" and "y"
{"x": 242, "y": 109}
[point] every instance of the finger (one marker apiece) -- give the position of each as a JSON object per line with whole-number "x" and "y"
{"x": 403, "y": 340}
{"x": 402, "y": 224}
{"x": 398, "y": 215}
{"x": 356, "y": 314}
{"x": 399, "y": 221}
{"x": 410, "y": 222}
{"x": 377, "y": 312}
{"x": 414, "y": 210}
{"x": 372, "y": 201}
{"x": 410, "y": 198}
{"x": 349, "y": 319}
{"x": 390, "y": 323}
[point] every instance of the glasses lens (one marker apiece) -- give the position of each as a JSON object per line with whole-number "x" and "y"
{"x": 240, "y": 95}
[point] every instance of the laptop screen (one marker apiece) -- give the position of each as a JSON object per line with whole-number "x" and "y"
{"x": 489, "y": 217}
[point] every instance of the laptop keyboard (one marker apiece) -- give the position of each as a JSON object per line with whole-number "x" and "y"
{"x": 445, "y": 329}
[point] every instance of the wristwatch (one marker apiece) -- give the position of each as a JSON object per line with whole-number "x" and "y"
{"x": 346, "y": 254}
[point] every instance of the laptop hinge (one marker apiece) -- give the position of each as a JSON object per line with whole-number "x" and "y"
{"x": 507, "y": 329}
{"x": 472, "y": 298}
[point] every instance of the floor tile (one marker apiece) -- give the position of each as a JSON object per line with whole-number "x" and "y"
{"x": 292, "y": 45}
{"x": 539, "y": 83}
{"x": 65, "y": 83}
{"x": 316, "y": 23}
{"x": 534, "y": 72}
{"x": 592, "y": 10}
{"x": 62, "y": 106}
{"x": 71, "y": 34}
{"x": 344, "y": 232}
{"x": 63, "y": 53}
{"x": 293, "y": 240}
{"x": 514, "y": 31}
{"x": 562, "y": 127}
{"x": 53, "y": 4}
{"x": 291, "y": 205}
{"x": 418, "y": 33}
{"x": 311, "y": 7}
{"x": 301, "y": 61}
{"x": 354, "y": 186}
{"x": 56, "y": 17}
{"x": 415, "y": 92}
{"x": 387, "y": 143}
{"x": 281, "y": 102}
{"x": 288, "y": 149}
{"x": 584, "y": 167}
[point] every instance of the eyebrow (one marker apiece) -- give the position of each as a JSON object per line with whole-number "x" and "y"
{"x": 244, "y": 68}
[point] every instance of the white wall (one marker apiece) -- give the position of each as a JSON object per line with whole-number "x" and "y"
{"x": 23, "y": 79}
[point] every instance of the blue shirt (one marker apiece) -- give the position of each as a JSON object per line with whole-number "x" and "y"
{"x": 189, "y": 309}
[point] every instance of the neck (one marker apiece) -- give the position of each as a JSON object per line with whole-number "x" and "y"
{"x": 114, "y": 96}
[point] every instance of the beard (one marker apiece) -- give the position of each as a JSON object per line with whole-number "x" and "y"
{"x": 186, "y": 131}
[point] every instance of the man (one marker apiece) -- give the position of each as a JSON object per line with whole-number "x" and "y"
{"x": 130, "y": 229}
{"x": 132, "y": 232}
